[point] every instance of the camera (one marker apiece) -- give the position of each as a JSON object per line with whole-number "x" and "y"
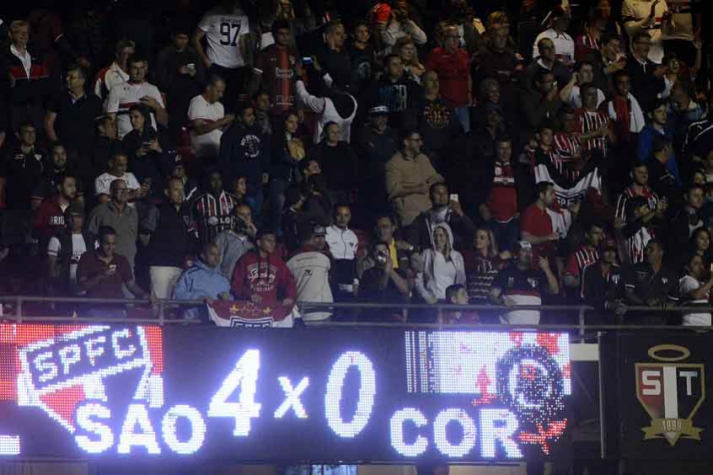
{"x": 381, "y": 258}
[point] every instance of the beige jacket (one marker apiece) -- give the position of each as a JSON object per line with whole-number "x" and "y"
{"x": 402, "y": 172}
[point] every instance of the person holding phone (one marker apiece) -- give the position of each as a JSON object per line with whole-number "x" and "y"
{"x": 103, "y": 274}
{"x": 144, "y": 148}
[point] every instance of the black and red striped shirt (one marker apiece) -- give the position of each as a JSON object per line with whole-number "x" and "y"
{"x": 213, "y": 214}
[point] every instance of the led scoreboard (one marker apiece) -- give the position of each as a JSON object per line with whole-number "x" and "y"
{"x": 270, "y": 395}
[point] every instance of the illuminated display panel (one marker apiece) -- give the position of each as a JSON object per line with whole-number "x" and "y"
{"x": 323, "y": 395}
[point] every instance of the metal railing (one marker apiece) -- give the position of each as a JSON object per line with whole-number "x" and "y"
{"x": 160, "y": 307}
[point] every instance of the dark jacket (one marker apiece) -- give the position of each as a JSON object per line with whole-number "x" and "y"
{"x": 397, "y": 96}
{"x": 420, "y": 233}
{"x": 21, "y": 90}
{"x": 172, "y": 235}
{"x": 340, "y": 165}
{"x": 244, "y": 151}
{"x": 64, "y": 258}
{"x": 644, "y": 85}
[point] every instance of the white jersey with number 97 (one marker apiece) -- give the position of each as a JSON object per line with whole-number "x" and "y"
{"x": 223, "y": 33}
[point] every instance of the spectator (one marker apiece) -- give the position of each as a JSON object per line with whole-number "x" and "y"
{"x": 695, "y": 293}
{"x": 638, "y": 230}
{"x": 650, "y": 284}
{"x": 118, "y": 164}
{"x": 244, "y": 151}
{"x": 104, "y": 272}
{"x": 498, "y": 60}
{"x": 343, "y": 245}
{"x": 453, "y": 68}
{"x": 170, "y": 233}
{"x": 541, "y": 103}
{"x": 607, "y": 61}
{"x": 287, "y": 151}
{"x": 700, "y": 245}
{"x": 443, "y": 266}
{"x": 116, "y": 73}
{"x": 400, "y": 251}
{"x": 587, "y": 254}
{"x": 70, "y": 117}
{"x": 435, "y": 119}
{"x": 105, "y": 146}
{"x": 649, "y": 18}
{"x": 646, "y": 76}
{"x": 65, "y": 249}
{"x": 500, "y": 210}
{"x": 336, "y": 105}
{"x": 662, "y": 181}
{"x": 213, "y": 209}
{"x": 361, "y": 51}
{"x": 543, "y": 226}
{"x": 262, "y": 276}
{"x": 592, "y": 125}
{"x": 563, "y": 43}
{"x": 310, "y": 266}
{"x": 207, "y": 120}
{"x": 682, "y": 112}
{"x": 135, "y": 90}
{"x": 457, "y": 294}
{"x": 338, "y": 163}
{"x": 180, "y": 73}
{"x": 20, "y": 173}
{"x": 122, "y": 218}
{"x": 625, "y": 111}
{"x": 395, "y": 91}
{"x": 263, "y": 119}
{"x": 444, "y": 209}
{"x": 190, "y": 187}
{"x": 602, "y": 286}
{"x": 378, "y": 17}
{"x": 699, "y": 137}
{"x": 681, "y": 227}
{"x": 25, "y": 79}
{"x": 49, "y": 218}
{"x": 409, "y": 174}
{"x": 547, "y": 60}
{"x": 333, "y": 57}
{"x": 383, "y": 283}
{"x": 571, "y": 94}
{"x": 204, "y": 282}
{"x": 400, "y": 26}
{"x": 274, "y": 70}
{"x": 657, "y": 127}
{"x": 237, "y": 240}
{"x": 589, "y": 41}
{"x": 406, "y": 49}
{"x": 376, "y": 143}
{"x": 521, "y": 284}
{"x": 482, "y": 264}
{"x": 146, "y": 147}
{"x": 53, "y": 173}
{"x": 639, "y": 187}
{"x": 228, "y": 34}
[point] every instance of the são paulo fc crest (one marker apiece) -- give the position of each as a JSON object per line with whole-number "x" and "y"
{"x": 671, "y": 392}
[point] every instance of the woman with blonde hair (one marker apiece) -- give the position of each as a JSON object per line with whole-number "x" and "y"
{"x": 442, "y": 266}
{"x": 406, "y": 49}
{"x": 482, "y": 264}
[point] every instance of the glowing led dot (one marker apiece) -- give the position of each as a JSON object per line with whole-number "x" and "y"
{"x": 9, "y": 445}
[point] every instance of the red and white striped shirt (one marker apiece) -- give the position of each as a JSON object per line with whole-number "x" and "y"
{"x": 213, "y": 214}
{"x": 651, "y": 198}
{"x": 580, "y": 259}
{"x": 588, "y": 122}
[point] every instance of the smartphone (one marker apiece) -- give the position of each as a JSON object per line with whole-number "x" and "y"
{"x": 454, "y": 197}
{"x": 306, "y": 60}
{"x": 191, "y": 67}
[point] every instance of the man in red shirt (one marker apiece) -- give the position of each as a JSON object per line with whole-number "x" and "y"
{"x": 453, "y": 67}
{"x": 102, "y": 274}
{"x": 274, "y": 70}
{"x": 262, "y": 276}
{"x": 500, "y": 209}
{"x": 50, "y": 216}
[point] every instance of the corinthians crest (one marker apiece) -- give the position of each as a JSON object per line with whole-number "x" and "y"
{"x": 671, "y": 392}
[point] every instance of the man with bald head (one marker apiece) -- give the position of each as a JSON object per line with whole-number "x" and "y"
{"x": 117, "y": 214}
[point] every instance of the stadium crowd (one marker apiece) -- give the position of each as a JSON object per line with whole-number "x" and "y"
{"x": 428, "y": 151}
